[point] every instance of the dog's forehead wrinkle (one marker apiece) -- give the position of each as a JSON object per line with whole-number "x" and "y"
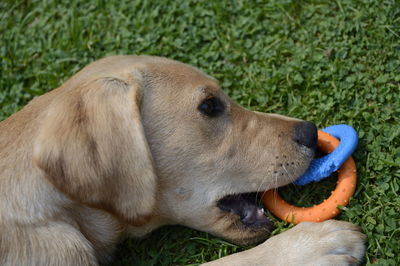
{"x": 181, "y": 76}
{"x": 210, "y": 89}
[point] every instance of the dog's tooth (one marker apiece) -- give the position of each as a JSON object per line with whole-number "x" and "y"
{"x": 260, "y": 212}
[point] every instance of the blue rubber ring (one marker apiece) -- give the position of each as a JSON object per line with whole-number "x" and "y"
{"x": 323, "y": 167}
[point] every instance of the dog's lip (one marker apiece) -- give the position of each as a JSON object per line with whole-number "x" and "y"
{"x": 247, "y": 207}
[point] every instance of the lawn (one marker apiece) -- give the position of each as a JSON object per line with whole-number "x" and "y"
{"x": 325, "y": 61}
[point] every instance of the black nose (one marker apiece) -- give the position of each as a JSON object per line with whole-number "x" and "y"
{"x": 306, "y": 134}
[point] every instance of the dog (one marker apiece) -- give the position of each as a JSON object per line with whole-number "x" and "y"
{"x": 131, "y": 143}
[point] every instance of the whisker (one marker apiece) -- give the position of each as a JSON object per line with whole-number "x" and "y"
{"x": 258, "y": 200}
{"x": 276, "y": 185}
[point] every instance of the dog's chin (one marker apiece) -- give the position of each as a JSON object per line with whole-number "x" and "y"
{"x": 244, "y": 214}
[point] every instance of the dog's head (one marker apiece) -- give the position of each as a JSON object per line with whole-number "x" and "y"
{"x": 143, "y": 136}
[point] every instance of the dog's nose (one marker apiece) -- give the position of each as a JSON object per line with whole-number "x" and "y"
{"x": 306, "y": 134}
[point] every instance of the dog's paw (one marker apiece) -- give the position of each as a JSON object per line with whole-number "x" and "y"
{"x": 328, "y": 243}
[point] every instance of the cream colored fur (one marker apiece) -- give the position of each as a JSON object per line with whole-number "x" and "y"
{"x": 121, "y": 147}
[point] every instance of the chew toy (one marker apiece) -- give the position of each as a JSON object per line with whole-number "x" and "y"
{"x": 319, "y": 169}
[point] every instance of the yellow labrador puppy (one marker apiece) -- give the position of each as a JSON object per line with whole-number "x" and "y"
{"x": 132, "y": 143}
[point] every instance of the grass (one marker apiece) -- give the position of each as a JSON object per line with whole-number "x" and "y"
{"x": 326, "y": 61}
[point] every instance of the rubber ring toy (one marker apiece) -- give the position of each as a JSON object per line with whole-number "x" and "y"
{"x": 338, "y": 157}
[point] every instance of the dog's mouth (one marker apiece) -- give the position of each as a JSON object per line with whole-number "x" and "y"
{"x": 248, "y": 207}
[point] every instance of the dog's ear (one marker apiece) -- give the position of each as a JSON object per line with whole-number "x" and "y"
{"x": 91, "y": 145}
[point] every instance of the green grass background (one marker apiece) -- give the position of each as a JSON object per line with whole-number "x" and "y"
{"x": 326, "y": 61}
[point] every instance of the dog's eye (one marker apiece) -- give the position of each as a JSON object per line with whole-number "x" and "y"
{"x": 212, "y": 107}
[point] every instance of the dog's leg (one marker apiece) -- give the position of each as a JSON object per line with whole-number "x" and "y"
{"x": 52, "y": 243}
{"x": 328, "y": 243}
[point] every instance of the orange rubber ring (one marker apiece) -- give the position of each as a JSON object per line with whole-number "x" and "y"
{"x": 346, "y": 185}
